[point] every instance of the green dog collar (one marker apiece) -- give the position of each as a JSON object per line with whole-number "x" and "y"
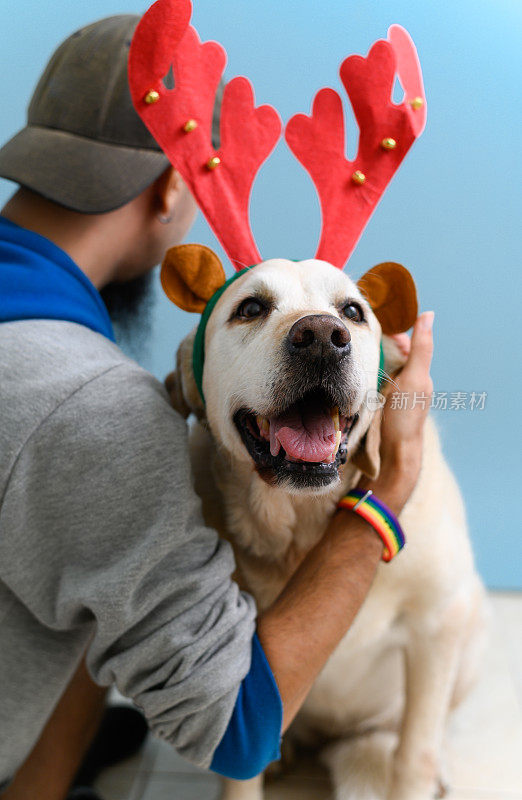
{"x": 198, "y": 352}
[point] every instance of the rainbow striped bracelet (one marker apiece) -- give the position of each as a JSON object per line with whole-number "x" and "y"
{"x": 382, "y": 520}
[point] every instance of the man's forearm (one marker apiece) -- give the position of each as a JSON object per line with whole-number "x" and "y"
{"x": 319, "y": 604}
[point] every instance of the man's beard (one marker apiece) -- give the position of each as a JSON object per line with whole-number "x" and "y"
{"x": 129, "y": 305}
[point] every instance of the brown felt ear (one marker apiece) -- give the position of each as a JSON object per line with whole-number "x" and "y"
{"x": 391, "y": 292}
{"x": 190, "y": 274}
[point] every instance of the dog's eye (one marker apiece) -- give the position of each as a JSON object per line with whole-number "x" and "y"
{"x": 250, "y": 308}
{"x": 354, "y": 312}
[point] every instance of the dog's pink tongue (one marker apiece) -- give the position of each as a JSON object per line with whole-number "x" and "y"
{"x": 307, "y": 434}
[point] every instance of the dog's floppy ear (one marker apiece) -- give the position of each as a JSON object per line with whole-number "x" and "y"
{"x": 390, "y": 290}
{"x": 180, "y": 384}
{"x": 190, "y": 275}
{"x": 367, "y": 457}
{"x": 174, "y": 387}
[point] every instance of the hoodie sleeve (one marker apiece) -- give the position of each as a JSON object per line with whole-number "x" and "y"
{"x": 102, "y": 532}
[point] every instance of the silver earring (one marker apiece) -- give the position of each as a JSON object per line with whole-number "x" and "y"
{"x": 164, "y": 219}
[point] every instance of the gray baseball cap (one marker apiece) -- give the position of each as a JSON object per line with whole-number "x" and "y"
{"x": 84, "y": 145}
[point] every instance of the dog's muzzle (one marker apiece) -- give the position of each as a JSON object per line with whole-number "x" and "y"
{"x": 302, "y": 438}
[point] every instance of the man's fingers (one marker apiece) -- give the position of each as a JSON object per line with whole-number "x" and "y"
{"x": 422, "y": 344}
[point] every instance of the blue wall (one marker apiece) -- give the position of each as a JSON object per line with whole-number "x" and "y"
{"x": 452, "y": 214}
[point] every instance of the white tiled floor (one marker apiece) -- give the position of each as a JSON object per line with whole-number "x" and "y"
{"x": 485, "y": 755}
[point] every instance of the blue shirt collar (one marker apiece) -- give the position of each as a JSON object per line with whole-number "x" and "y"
{"x": 38, "y": 280}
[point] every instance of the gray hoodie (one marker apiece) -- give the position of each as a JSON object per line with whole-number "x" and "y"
{"x": 103, "y": 547}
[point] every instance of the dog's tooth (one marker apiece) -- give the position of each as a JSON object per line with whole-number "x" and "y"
{"x": 275, "y": 444}
{"x": 335, "y": 416}
{"x": 263, "y": 424}
{"x": 338, "y": 437}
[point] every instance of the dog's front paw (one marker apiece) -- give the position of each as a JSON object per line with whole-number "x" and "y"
{"x": 416, "y": 780}
{"x": 359, "y": 766}
{"x": 409, "y": 791}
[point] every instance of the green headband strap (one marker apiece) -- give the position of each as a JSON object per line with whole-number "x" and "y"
{"x": 380, "y": 374}
{"x": 198, "y": 352}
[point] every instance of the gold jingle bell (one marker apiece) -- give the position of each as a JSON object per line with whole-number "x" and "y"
{"x": 358, "y": 177}
{"x": 213, "y": 162}
{"x": 151, "y": 97}
{"x": 388, "y": 143}
{"x": 190, "y": 125}
{"x": 416, "y": 103}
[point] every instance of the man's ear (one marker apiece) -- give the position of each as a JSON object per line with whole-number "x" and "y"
{"x": 367, "y": 457}
{"x": 180, "y": 384}
{"x": 390, "y": 290}
{"x": 190, "y": 275}
{"x": 166, "y": 191}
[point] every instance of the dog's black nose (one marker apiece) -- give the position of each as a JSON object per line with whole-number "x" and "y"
{"x": 319, "y": 335}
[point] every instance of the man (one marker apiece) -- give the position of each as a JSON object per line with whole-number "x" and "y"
{"x": 103, "y": 552}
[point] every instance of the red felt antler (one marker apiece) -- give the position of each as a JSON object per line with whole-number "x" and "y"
{"x": 350, "y": 190}
{"x": 180, "y": 119}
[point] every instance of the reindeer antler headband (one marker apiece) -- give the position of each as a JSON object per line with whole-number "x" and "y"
{"x": 180, "y": 120}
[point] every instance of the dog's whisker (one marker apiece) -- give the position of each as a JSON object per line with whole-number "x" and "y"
{"x": 385, "y": 377}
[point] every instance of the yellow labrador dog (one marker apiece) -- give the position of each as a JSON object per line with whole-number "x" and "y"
{"x": 291, "y": 358}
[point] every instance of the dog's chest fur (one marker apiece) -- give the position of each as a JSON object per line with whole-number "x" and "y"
{"x": 271, "y": 532}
